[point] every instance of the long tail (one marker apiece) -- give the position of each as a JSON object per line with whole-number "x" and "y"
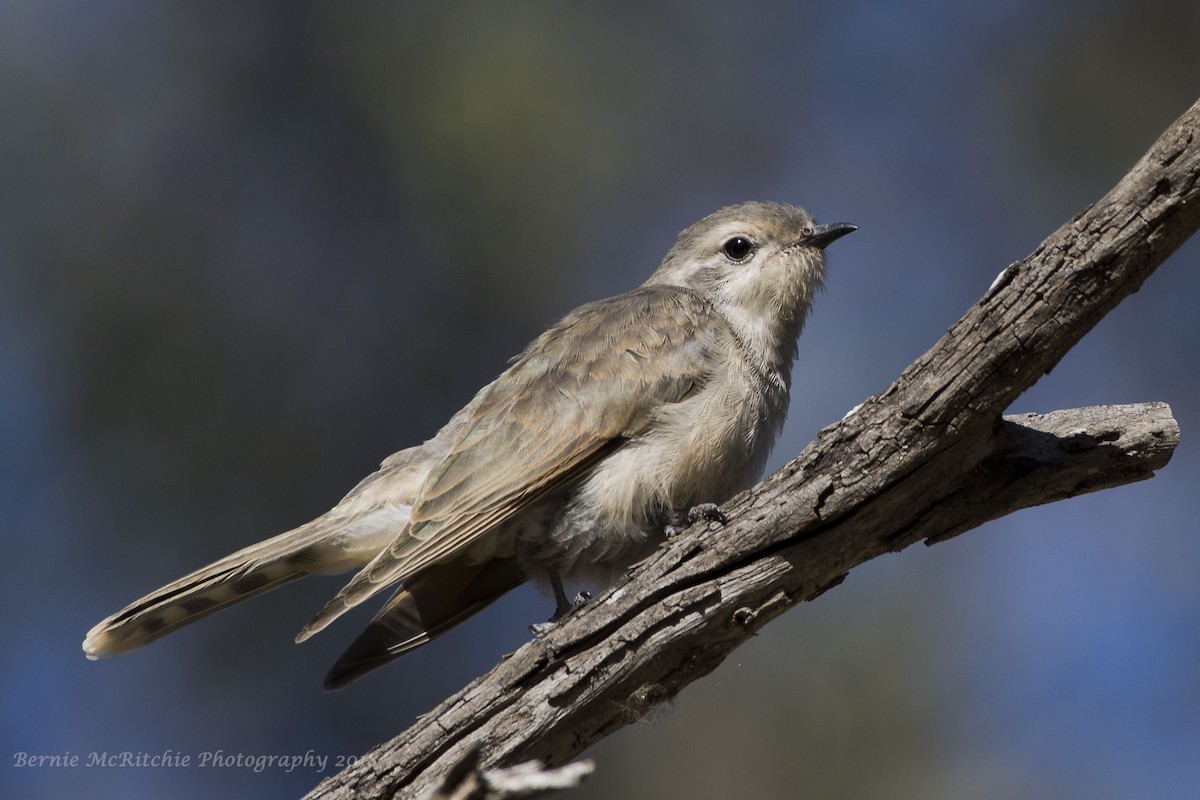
{"x": 236, "y": 577}
{"x": 426, "y": 606}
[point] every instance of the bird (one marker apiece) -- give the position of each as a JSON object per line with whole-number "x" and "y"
{"x": 629, "y": 417}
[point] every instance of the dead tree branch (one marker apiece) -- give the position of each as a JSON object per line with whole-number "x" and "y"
{"x": 466, "y": 781}
{"x": 929, "y": 458}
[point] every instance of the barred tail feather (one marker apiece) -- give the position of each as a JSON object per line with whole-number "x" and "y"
{"x": 230, "y": 580}
{"x": 190, "y": 598}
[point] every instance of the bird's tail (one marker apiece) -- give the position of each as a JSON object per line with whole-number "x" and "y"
{"x": 230, "y": 580}
{"x": 426, "y": 606}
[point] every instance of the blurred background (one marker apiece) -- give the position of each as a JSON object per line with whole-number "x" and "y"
{"x": 248, "y": 249}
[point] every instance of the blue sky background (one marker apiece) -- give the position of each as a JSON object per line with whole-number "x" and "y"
{"x": 247, "y": 250}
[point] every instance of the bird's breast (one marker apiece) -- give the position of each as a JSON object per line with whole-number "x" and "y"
{"x": 703, "y": 449}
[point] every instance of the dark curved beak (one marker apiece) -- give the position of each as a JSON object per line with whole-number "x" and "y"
{"x": 824, "y": 235}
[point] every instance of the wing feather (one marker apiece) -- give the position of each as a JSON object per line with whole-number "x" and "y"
{"x": 578, "y": 392}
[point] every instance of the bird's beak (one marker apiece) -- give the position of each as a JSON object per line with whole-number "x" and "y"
{"x": 824, "y": 235}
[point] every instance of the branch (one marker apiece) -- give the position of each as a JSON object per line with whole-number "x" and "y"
{"x": 928, "y": 458}
{"x": 465, "y": 780}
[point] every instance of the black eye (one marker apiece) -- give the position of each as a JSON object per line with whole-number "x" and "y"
{"x": 738, "y": 248}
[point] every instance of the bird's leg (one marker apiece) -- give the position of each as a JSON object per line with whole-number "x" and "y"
{"x": 562, "y": 606}
{"x": 679, "y": 521}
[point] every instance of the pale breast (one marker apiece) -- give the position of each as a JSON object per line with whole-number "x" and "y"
{"x": 703, "y": 449}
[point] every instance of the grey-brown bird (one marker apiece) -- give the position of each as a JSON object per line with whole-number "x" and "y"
{"x": 612, "y": 424}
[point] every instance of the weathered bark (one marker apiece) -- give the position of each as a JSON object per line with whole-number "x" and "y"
{"x": 466, "y": 781}
{"x": 928, "y": 458}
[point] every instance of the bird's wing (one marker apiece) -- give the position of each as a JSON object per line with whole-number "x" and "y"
{"x": 580, "y": 390}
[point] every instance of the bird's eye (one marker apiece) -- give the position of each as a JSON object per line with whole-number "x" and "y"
{"x": 738, "y": 248}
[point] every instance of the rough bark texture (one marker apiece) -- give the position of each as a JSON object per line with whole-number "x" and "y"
{"x": 466, "y": 781}
{"x": 928, "y": 458}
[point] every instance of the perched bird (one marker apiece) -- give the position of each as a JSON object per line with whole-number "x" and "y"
{"x": 609, "y": 427}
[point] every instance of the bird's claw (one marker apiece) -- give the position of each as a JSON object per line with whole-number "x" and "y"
{"x": 682, "y": 520}
{"x": 560, "y": 613}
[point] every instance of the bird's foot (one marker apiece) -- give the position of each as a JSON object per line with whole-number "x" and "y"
{"x": 563, "y": 610}
{"x": 682, "y": 520}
